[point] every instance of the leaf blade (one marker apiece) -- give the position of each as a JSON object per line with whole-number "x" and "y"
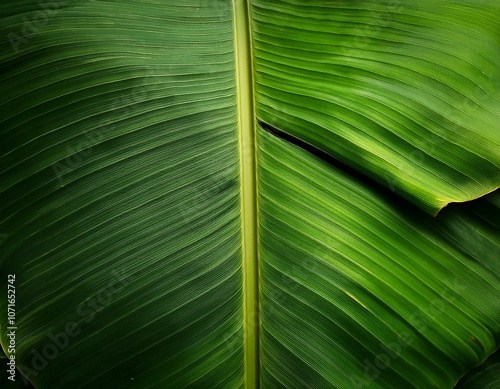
{"x": 396, "y": 90}
{"x": 120, "y": 195}
{"x": 360, "y": 289}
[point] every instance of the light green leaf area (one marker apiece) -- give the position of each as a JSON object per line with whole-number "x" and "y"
{"x": 485, "y": 376}
{"x": 119, "y": 194}
{"x": 407, "y": 92}
{"x": 360, "y": 289}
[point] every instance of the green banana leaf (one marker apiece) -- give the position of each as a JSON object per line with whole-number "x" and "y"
{"x": 120, "y": 195}
{"x": 153, "y": 235}
{"x": 407, "y": 92}
{"x": 385, "y": 296}
{"x": 485, "y": 376}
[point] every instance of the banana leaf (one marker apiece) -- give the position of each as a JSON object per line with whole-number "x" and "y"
{"x": 228, "y": 194}
{"x": 485, "y": 376}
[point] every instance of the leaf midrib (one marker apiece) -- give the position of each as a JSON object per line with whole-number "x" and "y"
{"x": 248, "y": 189}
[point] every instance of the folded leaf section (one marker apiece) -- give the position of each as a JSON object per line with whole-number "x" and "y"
{"x": 406, "y": 92}
{"x": 361, "y": 289}
{"x": 485, "y": 376}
